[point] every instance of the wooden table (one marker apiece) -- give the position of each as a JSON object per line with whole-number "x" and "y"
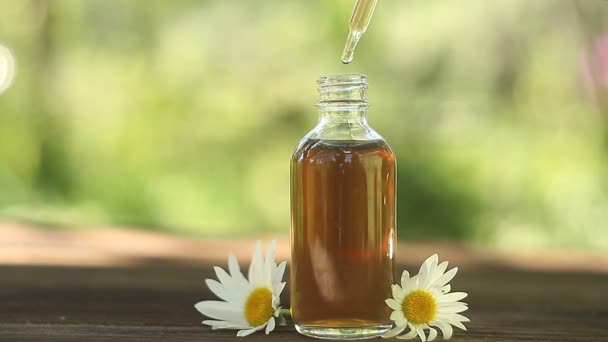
{"x": 155, "y": 303}
{"x": 141, "y": 286}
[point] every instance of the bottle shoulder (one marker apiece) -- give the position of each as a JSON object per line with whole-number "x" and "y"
{"x": 353, "y": 135}
{"x": 321, "y": 151}
{"x": 344, "y": 131}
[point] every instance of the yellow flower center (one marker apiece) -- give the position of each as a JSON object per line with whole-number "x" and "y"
{"x": 419, "y": 307}
{"x": 258, "y": 307}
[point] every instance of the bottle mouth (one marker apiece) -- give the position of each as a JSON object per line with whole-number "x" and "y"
{"x": 342, "y": 92}
{"x": 342, "y": 79}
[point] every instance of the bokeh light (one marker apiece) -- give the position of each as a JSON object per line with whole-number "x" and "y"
{"x": 7, "y": 68}
{"x": 182, "y": 116}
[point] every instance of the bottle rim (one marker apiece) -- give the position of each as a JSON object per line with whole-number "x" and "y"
{"x": 342, "y": 92}
{"x": 342, "y": 79}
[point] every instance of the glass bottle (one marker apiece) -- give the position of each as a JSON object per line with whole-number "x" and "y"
{"x": 342, "y": 218}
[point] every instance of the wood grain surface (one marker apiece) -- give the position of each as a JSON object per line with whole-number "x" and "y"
{"x": 154, "y": 302}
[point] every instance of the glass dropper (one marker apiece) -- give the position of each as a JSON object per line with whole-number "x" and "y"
{"x": 359, "y": 21}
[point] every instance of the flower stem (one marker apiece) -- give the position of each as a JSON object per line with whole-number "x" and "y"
{"x": 284, "y": 315}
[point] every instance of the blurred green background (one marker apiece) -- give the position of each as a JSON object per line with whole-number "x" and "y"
{"x": 182, "y": 116}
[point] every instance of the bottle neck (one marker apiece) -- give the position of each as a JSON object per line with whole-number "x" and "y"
{"x": 343, "y": 109}
{"x": 342, "y": 98}
{"x": 343, "y": 116}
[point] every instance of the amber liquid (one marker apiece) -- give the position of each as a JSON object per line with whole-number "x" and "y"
{"x": 343, "y": 232}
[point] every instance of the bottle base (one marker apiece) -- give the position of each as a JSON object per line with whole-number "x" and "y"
{"x": 343, "y": 333}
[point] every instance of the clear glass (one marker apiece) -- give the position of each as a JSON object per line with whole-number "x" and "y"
{"x": 342, "y": 219}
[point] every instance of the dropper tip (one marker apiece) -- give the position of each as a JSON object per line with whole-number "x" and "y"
{"x": 347, "y": 58}
{"x": 349, "y": 48}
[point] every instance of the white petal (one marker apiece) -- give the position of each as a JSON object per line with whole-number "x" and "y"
{"x": 405, "y": 276}
{"x": 437, "y": 273}
{"x": 279, "y": 288}
{"x": 429, "y": 264}
{"x": 269, "y": 264}
{"x": 457, "y": 324}
{"x": 427, "y": 269}
{"x": 453, "y": 316}
{"x": 461, "y": 318}
{"x": 401, "y": 321}
{"x": 446, "y": 277}
{"x": 270, "y": 325}
{"x": 243, "y": 333}
{"x": 452, "y": 297}
{"x": 256, "y": 272}
{"x": 396, "y": 290}
{"x": 233, "y": 265}
{"x": 445, "y": 328}
{"x": 434, "y": 291}
{"x": 423, "y": 279}
{"x": 420, "y": 332}
{"x": 434, "y": 260}
{"x": 223, "y": 325}
{"x": 410, "y": 335}
{"x": 221, "y": 311}
{"x": 223, "y": 277}
{"x": 393, "y": 304}
{"x": 217, "y": 289}
{"x": 399, "y": 318}
{"x": 215, "y": 306}
{"x": 450, "y": 304}
{"x": 235, "y": 288}
{"x": 440, "y": 269}
{"x": 432, "y": 334}
{"x": 276, "y": 301}
{"x": 393, "y": 332}
{"x": 446, "y": 288}
{"x": 453, "y": 309}
{"x": 411, "y": 284}
{"x": 214, "y": 322}
{"x": 235, "y": 271}
{"x": 277, "y": 276}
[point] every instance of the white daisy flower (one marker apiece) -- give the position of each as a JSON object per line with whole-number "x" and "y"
{"x": 250, "y": 305}
{"x": 424, "y": 301}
